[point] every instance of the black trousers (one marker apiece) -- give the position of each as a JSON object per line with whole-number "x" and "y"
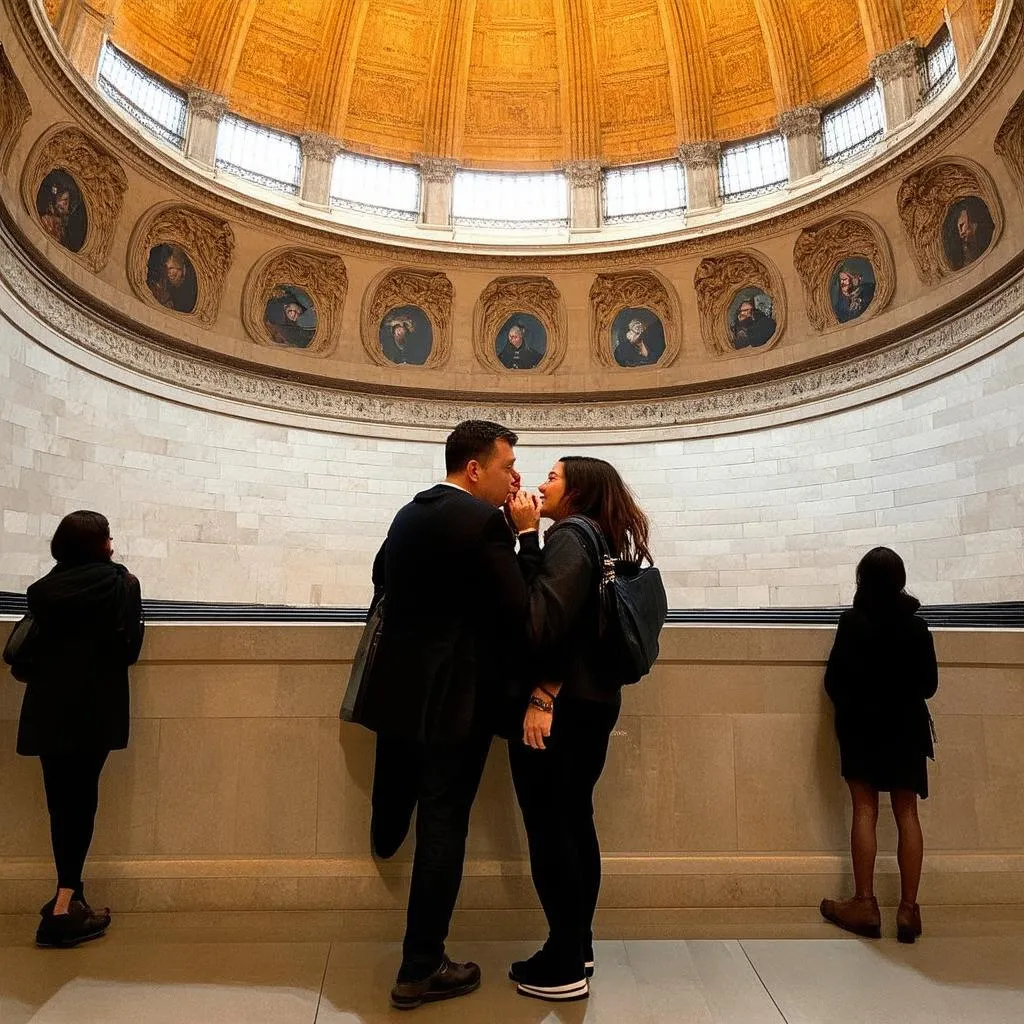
{"x": 71, "y": 781}
{"x": 448, "y": 778}
{"x": 555, "y": 789}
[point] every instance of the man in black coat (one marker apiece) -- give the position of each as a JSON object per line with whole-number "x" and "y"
{"x": 455, "y": 611}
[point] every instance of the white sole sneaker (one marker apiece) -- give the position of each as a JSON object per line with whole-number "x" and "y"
{"x": 556, "y": 993}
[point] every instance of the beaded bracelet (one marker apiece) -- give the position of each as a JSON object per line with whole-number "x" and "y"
{"x": 542, "y": 705}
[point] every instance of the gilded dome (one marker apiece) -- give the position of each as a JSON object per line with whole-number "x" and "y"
{"x": 519, "y": 83}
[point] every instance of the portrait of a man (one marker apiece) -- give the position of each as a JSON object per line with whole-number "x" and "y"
{"x": 852, "y": 288}
{"x": 521, "y": 342}
{"x": 290, "y": 317}
{"x": 751, "y": 318}
{"x": 171, "y": 277}
{"x": 638, "y": 337}
{"x": 406, "y": 336}
{"x": 61, "y": 210}
{"x": 967, "y": 231}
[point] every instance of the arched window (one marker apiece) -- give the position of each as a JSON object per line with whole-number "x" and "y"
{"x": 258, "y": 154}
{"x": 155, "y": 105}
{"x": 938, "y": 65}
{"x": 852, "y": 126}
{"x": 380, "y": 187}
{"x": 644, "y": 192}
{"x": 513, "y": 200}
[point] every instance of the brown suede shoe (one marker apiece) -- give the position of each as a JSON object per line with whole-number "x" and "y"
{"x": 447, "y": 982}
{"x": 858, "y": 915}
{"x": 908, "y": 922}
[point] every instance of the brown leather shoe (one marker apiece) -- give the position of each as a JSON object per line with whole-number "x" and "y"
{"x": 908, "y": 922}
{"x": 858, "y": 915}
{"x": 447, "y": 982}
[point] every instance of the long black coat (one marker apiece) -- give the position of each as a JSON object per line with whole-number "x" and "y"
{"x": 90, "y": 631}
{"x": 880, "y": 673}
{"x": 454, "y": 619}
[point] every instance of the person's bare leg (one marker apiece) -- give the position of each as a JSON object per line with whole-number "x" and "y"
{"x": 63, "y": 901}
{"x": 910, "y": 846}
{"x": 863, "y": 838}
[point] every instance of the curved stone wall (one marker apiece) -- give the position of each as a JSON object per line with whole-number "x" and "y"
{"x": 216, "y": 500}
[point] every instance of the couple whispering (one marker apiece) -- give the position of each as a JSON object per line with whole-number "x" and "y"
{"x": 476, "y": 639}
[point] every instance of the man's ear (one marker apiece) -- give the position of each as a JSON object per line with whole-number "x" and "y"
{"x": 473, "y": 470}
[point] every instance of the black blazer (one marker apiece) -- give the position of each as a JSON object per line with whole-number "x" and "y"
{"x": 90, "y": 631}
{"x": 563, "y": 625}
{"x": 454, "y": 619}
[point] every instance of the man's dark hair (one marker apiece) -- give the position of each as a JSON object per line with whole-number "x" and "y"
{"x": 473, "y": 439}
{"x": 81, "y": 537}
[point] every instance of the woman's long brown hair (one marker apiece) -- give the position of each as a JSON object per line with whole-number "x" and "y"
{"x": 594, "y": 488}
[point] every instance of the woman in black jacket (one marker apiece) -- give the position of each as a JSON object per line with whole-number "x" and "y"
{"x": 560, "y": 754}
{"x": 880, "y": 673}
{"x": 88, "y": 612}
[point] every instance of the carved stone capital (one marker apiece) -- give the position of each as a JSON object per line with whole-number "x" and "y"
{"x": 800, "y": 121}
{"x": 899, "y": 62}
{"x": 438, "y": 169}
{"x": 583, "y": 173}
{"x": 204, "y": 103}
{"x": 700, "y": 154}
{"x": 317, "y": 146}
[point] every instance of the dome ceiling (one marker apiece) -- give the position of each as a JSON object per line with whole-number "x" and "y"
{"x": 519, "y": 83}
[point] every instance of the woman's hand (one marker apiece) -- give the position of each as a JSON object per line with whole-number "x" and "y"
{"x": 537, "y": 722}
{"x": 524, "y": 508}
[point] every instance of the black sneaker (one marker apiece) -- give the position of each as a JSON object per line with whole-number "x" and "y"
{"x": 447, "y": 982}
{"x": 517, "y": 967}
{"x": 104, "y": 912}
{"x": 542, "y": 978}
{"x": 63, "y": 931}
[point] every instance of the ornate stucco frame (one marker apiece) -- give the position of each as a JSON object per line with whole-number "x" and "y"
{"x": 611, "y": 293}
{"x": 504, "y": 296}
{"x": 821, "y": 248}
{"x": 321, "y": 275}
{"x": 716, "y": 281}
{"x": 100, "y": 179}
{"x": 208, "y": 241}
{"x": 1009, "y": 143}
{"x": 15, "y": 110}
{"x": 431, "y": 290}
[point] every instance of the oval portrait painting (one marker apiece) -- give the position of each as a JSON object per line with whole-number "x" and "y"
{"x": 290, "y": 317}
{"x": 751, "y": 318}
{"x": 967, "y": 231}
{"x": 638, "y": 337}
{"x": 406, "y": 335}
{"x": 522, "y": 342}
{"x": 171, "y": 277}
{"x": 852, "y": 288}
{"x": 61, "y": 210}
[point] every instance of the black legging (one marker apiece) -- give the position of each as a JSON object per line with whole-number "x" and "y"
{"x": 555, "y": 789}
{"x": 72, "y": 781}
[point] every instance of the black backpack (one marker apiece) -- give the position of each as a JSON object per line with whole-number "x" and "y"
{"x": 632, "y": 608}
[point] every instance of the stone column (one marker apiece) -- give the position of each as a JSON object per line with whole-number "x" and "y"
{"x": 82, "y": 29}
{"x": 964, "y": 30}
{"x": 584, "y": 177}
{"x": 318, "y": 153}
{"x": 205, "y": 110}
{"x": 701, "y": 160}
{"x": 801, "y": 129}
{"x": 436, "y": 177}
{"x": 896, "y": 71}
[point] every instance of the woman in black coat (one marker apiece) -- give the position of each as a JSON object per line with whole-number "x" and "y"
{"x": 88, "y": 613}
{"x": 880, "y": 674}
{"x": 559, "y": 754}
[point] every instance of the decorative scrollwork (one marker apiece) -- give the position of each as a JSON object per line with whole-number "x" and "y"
{"x": 430, "y": 291}
{"x": 505, "y": 296}
{"x": 1009, "y": 142}
{"x": 820, "y": 250}
{"x": 15, "y": 110}
{"x": 320, "y": 275}
{"x": 207, "y": 241}
{"x": 99, "y": 177}
{"x": 923, "y": 201}
{"x": 717, "y": 280}
{"x": 611, "y": 293}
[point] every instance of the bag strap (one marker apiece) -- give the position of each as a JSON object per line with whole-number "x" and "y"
{"x": 604, "y": 561}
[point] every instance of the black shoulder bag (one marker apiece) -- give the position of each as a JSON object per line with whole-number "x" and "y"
{"x": 632, "y": 608}
{"x": 362, "y": 664}
{"x": 21, "y": 648}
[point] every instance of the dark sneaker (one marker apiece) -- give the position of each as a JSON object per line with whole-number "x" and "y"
{"x": 517, "y": 967}
{"x": 62, "y": 931}
{"x": 47, "y": 908}
{"x": 541, "y": 977}
{"x": 447, "y": 982}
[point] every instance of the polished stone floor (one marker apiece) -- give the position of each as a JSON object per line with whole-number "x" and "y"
{"x": 285, "y": 968}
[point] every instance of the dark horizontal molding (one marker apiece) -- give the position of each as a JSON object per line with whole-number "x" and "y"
{"x": 997, "y": 615}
